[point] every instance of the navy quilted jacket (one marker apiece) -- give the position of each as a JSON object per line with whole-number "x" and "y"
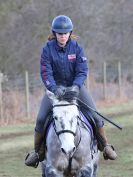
{"x": 65, "y": 66}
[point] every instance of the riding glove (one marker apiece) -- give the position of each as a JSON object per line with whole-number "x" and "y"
{"x": 59, "y": 91}
{"x": 75, "y": 88}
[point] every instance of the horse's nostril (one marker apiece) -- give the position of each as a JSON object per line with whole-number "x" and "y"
{"x": 69, "y": 152}
{"x": 63, "y": 151}
{"x": 74, "y": 149}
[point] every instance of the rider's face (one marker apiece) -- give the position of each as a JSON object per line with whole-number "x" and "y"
{"x": 62, "y": 38}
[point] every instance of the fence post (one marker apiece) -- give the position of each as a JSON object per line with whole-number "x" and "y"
{"x": 104, "y": 80}
{"x": 119, "y": 78}
{"x": 1, "y": 102}
{"x": 27, "y": 94}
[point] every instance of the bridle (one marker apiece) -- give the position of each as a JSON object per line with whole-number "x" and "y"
{"x": 68, "y": 131}
{"x": 67, "y": 104}
{"x": 64, "y": 131}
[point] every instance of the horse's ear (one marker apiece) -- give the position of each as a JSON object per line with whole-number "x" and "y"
{"x": 52, "y": 97}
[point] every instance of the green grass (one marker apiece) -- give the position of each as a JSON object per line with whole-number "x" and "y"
{"x": 12, "y": 164}
{"x": 123, "y": 142}
{"x": 114, "y": 109}
{"x": 13, "y": 129}
{"x": 13, "y": 149}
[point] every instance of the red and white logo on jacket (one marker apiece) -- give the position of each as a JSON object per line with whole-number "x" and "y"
{"x": 72, "y": 57}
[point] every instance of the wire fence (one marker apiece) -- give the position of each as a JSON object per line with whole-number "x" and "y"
{"x": 20, "y": 96}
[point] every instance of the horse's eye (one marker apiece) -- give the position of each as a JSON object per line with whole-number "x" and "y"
{"x": 56, "y": 118}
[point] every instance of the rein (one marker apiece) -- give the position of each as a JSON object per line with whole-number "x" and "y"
{"x": 70, "y": 160}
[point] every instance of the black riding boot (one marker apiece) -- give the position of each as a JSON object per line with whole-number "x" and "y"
{"x": 33, "y": 158}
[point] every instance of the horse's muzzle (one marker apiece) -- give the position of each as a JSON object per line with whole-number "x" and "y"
{"x": 69, "y": 153}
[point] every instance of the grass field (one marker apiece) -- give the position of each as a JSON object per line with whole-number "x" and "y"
{"x": 16, "y": 141}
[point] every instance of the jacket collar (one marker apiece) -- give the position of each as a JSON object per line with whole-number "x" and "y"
{"x": 59, "y": 48}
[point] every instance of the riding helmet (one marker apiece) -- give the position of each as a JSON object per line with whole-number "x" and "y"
{"x": 62, "y": 24}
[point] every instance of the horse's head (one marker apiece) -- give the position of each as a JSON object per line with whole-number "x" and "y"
{"x": 65, "y": 114}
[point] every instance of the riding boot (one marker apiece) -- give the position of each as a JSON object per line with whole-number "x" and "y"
{"x": 42, "y": 152}
{"x": 33, "y": 158}
{"x": 108, "y": 150}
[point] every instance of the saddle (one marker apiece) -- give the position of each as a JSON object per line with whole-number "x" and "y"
{"x": 88, "y": 116}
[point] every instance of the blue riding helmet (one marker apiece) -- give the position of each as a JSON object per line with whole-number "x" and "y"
{"x": 62, "y": 24}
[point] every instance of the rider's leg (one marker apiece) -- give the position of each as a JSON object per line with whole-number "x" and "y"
{"x": 108, "y": 150}
{"x": 39, "y": 146}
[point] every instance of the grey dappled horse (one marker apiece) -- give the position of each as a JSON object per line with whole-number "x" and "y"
{"x": 69, "y": 143}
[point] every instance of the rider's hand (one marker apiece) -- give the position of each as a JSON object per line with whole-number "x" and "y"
{"x": 59, "y": 91}
{"x": 75, "y": 88}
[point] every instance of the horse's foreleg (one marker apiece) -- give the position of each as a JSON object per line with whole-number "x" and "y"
{"x": 86, "y": 171}
{"x": 50, "y": 171}
{"x": 95, "y": 170}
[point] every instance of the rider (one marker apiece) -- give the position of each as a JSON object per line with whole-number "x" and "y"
{"x": 63, "y": 63}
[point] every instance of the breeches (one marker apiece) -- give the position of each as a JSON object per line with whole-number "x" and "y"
{"x": 46, "y": 106}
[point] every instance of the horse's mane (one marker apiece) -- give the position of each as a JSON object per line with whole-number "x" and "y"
{"x": 69, "y": 96}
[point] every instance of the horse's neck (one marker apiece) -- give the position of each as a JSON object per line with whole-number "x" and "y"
{"x": 84, "y": 129}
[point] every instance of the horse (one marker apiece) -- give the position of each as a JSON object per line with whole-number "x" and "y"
{"x": 71, "y": 151}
